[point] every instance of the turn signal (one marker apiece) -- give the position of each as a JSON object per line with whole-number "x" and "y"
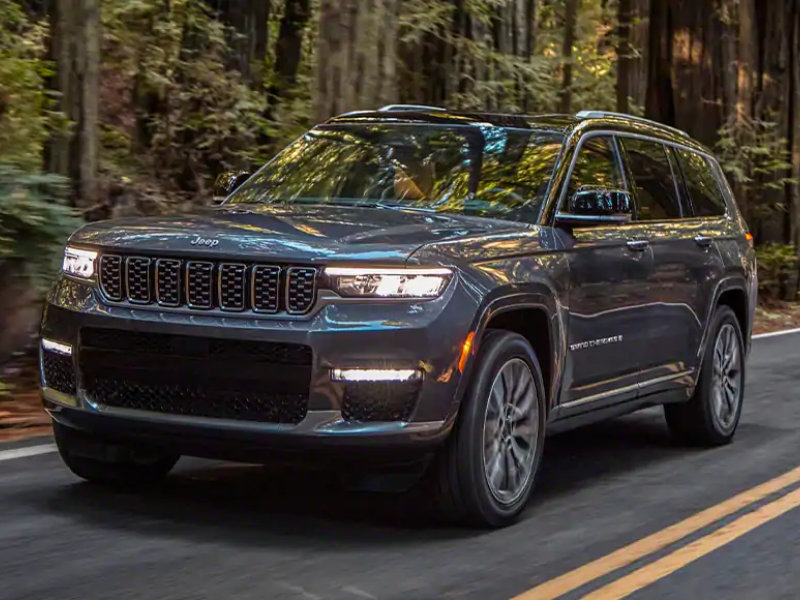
{"x": 465, "y": 350}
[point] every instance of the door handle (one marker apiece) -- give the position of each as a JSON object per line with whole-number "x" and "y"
{"x": 703, "y": 240}
{"x": 638, "y": 245}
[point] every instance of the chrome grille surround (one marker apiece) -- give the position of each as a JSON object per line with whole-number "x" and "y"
{"x": 199, "y": 284}
{"x": 111, "y": 277}
{"x": 138, "y": 280}
{"x": 232, "y": 286}
{"x": 168, "y": 281}
{"x": 264, "y": 288}
{"x": 300, "y": 289}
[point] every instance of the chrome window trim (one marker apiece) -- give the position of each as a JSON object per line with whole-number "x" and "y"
{"x": 626, "y": 134}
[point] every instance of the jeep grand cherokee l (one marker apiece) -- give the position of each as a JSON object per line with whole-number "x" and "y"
{"x": 411, "y": 281}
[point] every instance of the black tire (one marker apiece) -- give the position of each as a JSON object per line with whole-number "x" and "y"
{"x": 696, "y": 422}
{"x": 457, "y": 476}
{"x": 100, "y": 462}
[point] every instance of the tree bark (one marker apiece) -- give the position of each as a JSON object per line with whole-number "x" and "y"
{"x": 75, "y": 48}
{"x": 570, "y": 25}
{"x": 356, "y": 56}
{"x": 624, "y": 56}
{"x": 793, "y": 125}
{"x": 660, "y": 102}
{"x": 289, "y": 49}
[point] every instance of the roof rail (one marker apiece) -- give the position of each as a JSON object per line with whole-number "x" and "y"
{"x": 596, "y": 114}
{"x": 410, "y": 107}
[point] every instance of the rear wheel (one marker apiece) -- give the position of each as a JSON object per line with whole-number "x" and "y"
{"x": 485, "y": 473}
{"x": 710, "y": 418}
{"x": 102, "y": 462}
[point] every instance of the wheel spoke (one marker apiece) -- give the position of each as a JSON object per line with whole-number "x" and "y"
{"x": 512, "y": 471}
{"x": 726, "y": 382}
{"x": 517, "y": 452}
{"x": 496, "y": 469}
{"x": 510, "y": 430}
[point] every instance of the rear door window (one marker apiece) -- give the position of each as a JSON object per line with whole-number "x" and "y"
{"x": 653, "y": 181}
{"x": 701, "y": 185}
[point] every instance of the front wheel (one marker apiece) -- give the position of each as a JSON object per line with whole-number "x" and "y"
{"x": 485, "y": 473}
{"x": 711, "y": 416}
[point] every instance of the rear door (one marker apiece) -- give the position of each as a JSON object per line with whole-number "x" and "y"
{"x": 686, "y": 265}
{"x": 610, "y": 267}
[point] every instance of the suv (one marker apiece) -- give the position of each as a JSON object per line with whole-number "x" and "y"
{"x": 411, "y": 284}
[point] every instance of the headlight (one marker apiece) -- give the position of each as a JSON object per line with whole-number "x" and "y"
{"x": 79, "y": 263}
{"x": 388, "y": 283}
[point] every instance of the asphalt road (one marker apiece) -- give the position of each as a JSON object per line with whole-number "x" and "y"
{"x": 223, "y": 531}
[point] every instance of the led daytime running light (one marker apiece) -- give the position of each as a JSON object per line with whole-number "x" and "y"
{"x": 365, "y": 375}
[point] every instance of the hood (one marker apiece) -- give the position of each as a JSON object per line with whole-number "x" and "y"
{"x": 296, "y": 233}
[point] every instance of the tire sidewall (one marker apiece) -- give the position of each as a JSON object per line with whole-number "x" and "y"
{"x": 497, "y": 348}
{"x": 724, "y": 315}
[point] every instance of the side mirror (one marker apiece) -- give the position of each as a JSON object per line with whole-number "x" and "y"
{"x": 592, "y": 206}
{"x": 227, "y": 183}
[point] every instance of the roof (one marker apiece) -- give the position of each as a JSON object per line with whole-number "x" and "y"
{"x": 587, "y": 120}
{"x": 442, "y": 117}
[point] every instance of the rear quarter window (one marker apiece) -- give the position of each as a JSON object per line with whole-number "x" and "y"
{"x": 701, "y": 184}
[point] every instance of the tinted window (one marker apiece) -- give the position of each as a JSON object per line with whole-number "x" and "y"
{"x": 484, "y": 171}
{"x": 596, "y": 166}
{"x": 653, "y": 182}
{"x": 701, "y": 184}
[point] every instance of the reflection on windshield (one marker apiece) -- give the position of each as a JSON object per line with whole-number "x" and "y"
{"x": 466, "y": 169}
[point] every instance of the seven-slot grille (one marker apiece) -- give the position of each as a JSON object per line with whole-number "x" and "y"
{"x": 203, "y": 285}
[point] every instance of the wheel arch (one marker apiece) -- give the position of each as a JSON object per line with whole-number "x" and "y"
{"x": 731, "y": 292}
{"x": 538, "y": 317}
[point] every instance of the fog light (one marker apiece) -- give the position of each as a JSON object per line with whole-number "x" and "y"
{"x": 356, "y": 375}
{"x": 57, "y": 347}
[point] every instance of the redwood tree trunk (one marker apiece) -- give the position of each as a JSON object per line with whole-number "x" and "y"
{"x": 75, "y": 48}
{"x": 570, "y": 24}
{"x": 660, "y": 102}
{"x": 624, "y": 56}
{"x": 356, "y": 56}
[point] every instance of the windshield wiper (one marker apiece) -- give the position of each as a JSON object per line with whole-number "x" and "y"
{"x": 401, "y": 207}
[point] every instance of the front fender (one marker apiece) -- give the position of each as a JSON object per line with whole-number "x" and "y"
{"x": 540, "y": 295}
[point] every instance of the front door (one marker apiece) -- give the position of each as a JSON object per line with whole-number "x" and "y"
{"x": 609, "y": 297}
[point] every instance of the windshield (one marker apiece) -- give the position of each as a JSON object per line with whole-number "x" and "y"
{"x": 466, "y": 169}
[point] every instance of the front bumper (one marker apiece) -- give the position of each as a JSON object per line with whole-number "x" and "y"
{"x": 425, "y": 336}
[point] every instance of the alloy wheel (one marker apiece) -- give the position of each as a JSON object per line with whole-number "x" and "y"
{"x": 511, "y": 431}
{"x": 726, "y": 388}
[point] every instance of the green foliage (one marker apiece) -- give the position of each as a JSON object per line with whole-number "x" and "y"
{"x": 483, "y": 73}
{"x": 26, "y": 116}
{"x": 194, "y": 116}
{"x": 756, "y": 158}
{"x": 35, "y": 222}
{"x": 777, "y": 266}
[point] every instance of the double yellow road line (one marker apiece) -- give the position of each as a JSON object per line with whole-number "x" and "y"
{"x": 684, "y": 555}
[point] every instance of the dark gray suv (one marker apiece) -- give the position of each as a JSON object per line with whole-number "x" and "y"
{"x": 411, "y": 284}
